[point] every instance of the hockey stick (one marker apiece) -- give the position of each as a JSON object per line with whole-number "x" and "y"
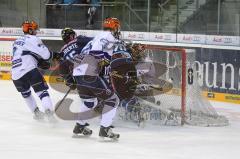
{"x": 58, "y": 105}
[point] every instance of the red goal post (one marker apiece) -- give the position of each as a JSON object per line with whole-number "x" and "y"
{"x": 182, "y": 53}
{"x": 189, "y": 106}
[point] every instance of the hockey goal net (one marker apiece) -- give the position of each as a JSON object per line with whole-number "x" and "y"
{"x": 184, "y": 103}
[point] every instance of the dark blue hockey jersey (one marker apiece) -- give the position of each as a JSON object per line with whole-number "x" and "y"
{"x": 74, "y": 47}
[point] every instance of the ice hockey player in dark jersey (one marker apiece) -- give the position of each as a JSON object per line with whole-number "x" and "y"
{"x": 73, "y": 44}
{"x": 92, "y": 88}
{"x": 69, "y": 53}
{"x": 29, "y": 53}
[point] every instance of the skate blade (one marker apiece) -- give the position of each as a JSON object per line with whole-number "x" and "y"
{"x": 106, "y": 139}
{"x": 141, "y": 124}
{"x": 79, "y": 136}
{"x": 41, "y": 120}
{"x": 52, "y": 120}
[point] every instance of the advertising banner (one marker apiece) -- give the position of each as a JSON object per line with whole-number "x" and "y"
{"x": 191, "y": 38}
{"x": 219, "y": 70}
{"x": 222, "y": 40}
{"x": 162, "y": 37}
{"x": 142, "y": 36}
{"x": 5, "y": 55}
{"x": 138, "y": 36}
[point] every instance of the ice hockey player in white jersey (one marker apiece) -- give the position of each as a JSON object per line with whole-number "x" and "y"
{"x": 92, "y": 88}
{"x": 29, "y": 53}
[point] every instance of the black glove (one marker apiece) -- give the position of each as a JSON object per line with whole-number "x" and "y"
{"x": 70, "y": 82}
{"x": 43, "y": 64}
{"x": 57, "y": 55}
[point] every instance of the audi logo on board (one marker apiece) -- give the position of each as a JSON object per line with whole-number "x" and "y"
{"x": 192, "y": 38}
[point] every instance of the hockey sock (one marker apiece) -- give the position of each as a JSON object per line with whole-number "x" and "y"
{"x": 29, "y": 99}
{"x": 46, "y": 100}
{"x": 108, "y": 115}
{"x": 109, "y": 110}
{"x": 86, "y": 105}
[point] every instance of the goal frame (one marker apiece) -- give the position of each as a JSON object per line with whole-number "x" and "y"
{"x": 183, "y": 52}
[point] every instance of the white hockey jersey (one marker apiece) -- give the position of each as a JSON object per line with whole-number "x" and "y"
{"x": 26, "y": 51}
{"x": 101, "y": 46}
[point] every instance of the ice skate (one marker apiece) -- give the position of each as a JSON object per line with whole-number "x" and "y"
{"x": 106, "y": 132}
{"x": 38, "y": 115}
{"x": 50, "y": 116}
{"x": 81, "y": 129}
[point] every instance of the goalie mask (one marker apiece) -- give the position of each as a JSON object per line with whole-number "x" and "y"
{"x": 68, "y": 34}
{"x": 112, "y": 24}
{"x": 30, "y": 27}
{"x": 137, "y": 51}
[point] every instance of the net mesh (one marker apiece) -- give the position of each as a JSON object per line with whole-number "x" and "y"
{"x": 168, "y": 108}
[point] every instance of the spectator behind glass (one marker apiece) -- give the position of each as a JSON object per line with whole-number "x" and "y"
{"x": 54, "y": 1}
{"x": 71, "y": 1}
{"x": 91, "y": 13}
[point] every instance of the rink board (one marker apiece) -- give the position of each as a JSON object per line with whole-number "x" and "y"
{"x": 218, "y": 94}
{"x": 214, "y": 96}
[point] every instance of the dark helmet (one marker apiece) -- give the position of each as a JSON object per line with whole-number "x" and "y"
{"x": 67, "y": 34}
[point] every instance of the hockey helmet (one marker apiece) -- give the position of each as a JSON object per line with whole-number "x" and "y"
{"x": 112, "y": 24}
{"x": 68, "y": 34}
{"x": 137, "y": 51}
{"x": 29, "y": 27}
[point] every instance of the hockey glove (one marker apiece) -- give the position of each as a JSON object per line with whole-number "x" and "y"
{"x": 102, "y": 66}
{"x": 57, "y": 55}
{"x": 103, "y": 63}
{"x": 44, "y": 64}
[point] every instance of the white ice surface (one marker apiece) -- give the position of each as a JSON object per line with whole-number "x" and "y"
{"x": 23, "y": 138}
